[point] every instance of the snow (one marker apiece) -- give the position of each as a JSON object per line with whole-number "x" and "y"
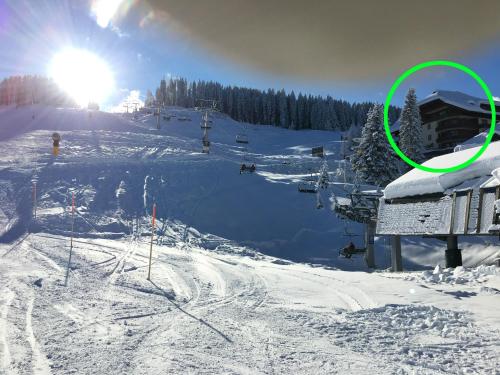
{"x": 219, "y": 300}
{"x": 417, "y": 182}
{"x": 476, "y": 141}
{"x": 459, "y": 275}
{"x": 99, "y": 152}
{"x": 216, "y": 311}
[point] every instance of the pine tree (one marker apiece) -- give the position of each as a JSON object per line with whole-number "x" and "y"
{"x": 163, "y": 93}
{"x": 255, "y": 106}
{"x": 411, "y": 140}
{"x": 373, "y": 160}
{"x": 150, "y": 99}
{"x": 283, "y": 109}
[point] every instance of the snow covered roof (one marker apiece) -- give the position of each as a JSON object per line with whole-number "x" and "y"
{"x": 396, "y": 125}
{"x": 455, "y": 98}
{"x": 417, "y": 182}
{"x": 458, "y": 99}
{"x": 477, "y": 140}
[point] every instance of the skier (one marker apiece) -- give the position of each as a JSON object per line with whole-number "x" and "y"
{"x": 348, "y": 250}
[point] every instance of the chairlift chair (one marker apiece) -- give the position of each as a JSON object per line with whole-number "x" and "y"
{"x": 241, "y": 138}
{"x": 247, "y": 168}
{"x": 308, "y": 187}
{"x": 348, "y": 253}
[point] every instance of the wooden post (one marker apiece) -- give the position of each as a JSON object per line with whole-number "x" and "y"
{"x": 151, "y": 245}
{"x": 453, "y": 255}
{"x": 370, "y": 244}
{"x": 71, "y": 241}
{"x": 396, "y": 259}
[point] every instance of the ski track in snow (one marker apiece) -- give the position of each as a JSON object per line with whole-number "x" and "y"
{"x": 212, "y": 305}
{"x": 40, "y": 364}
{"x": 7, "y": 296}
{"x": 226, "y": 315}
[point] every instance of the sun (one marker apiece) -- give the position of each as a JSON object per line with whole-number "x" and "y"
{"x": 83, "y": 75}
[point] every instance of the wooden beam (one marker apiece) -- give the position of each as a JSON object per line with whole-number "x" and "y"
{"x": 479, "y": 211}
{"x": 453, "y": 204}
{"x": 467, "y": 212}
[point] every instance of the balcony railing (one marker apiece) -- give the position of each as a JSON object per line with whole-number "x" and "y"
{"x": 455, "y": 136}
{"x": 456, "y": 124}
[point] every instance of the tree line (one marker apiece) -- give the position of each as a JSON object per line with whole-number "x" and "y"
{"x": 271, "y": 107}
{"x": 28, "y": 89}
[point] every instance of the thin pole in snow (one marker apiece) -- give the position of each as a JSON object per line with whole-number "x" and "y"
{"x": 152, "y": 235}
{"x": 71, "y": 241}
{"x": 34, "y": 199}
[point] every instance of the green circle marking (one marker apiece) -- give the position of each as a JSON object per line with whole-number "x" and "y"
{"x": 428, "y": 64}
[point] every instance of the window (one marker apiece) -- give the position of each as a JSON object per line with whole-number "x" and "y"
{"x": 429, "y": 137}
{"x": 429, "y": 126}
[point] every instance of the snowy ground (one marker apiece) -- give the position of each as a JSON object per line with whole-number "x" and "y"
{"x": 215, "y": 303}
{"x": 219, "y": 312}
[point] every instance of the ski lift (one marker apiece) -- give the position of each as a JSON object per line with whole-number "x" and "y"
{"x": 247, "y": 168}
{"x": 206, "y": 145}
{"x": 206, "y": 123}
{"x": 308, "y": 187}
{"x": 308, "y": 184}
{"x": 56, "y": 138}
{"x": 241, "y": 138}
{"x": 350, "y": 250}
{"x": 318, "y": 152}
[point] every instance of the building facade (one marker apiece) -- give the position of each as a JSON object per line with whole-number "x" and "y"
{"x": 450, "y": 118}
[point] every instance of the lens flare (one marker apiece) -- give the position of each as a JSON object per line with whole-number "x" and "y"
{"x": 104, "y": 11}
{"x": 83, "y": 75}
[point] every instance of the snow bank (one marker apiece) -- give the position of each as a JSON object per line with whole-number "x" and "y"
{"x": 417, "y": 182}
{"x": 414, "y": 335}
{"x": 459, "y": 275}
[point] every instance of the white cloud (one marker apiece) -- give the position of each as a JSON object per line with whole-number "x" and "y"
{"x": 131, "y": 99}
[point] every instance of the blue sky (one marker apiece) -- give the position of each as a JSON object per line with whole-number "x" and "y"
{"x": 32, "y": 32}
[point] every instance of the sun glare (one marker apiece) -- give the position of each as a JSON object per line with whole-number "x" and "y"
{"x": 83, "y": 75}
{"x": 105, "y": 10}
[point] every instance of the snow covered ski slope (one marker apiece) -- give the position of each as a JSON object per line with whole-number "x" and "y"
{"x": 106, "y": 154}
{"x": 215, "y": 303}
